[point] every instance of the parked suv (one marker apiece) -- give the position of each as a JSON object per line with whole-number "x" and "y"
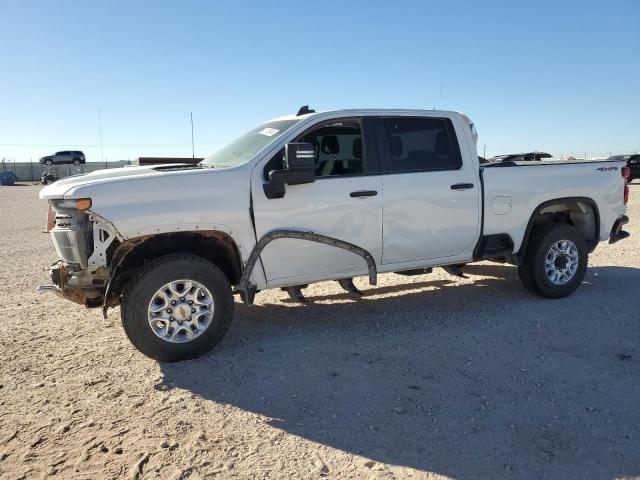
{"x": 68, "y": 156}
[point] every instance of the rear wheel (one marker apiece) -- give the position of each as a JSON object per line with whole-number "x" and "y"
{"x": 48, "y": 162}
{"x": 76, "y": 161}
{"x": 179, "y": 307}
{"x": 556, "y": 261}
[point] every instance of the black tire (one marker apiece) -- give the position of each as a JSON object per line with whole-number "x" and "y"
{"x": 139, "y": 292}
{"x": 532, "y": 272}
{"x": 524, "y": 273}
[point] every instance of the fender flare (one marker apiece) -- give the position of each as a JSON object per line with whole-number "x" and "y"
{"x": 247, "y": 288}
{"x": 519, "y": 256}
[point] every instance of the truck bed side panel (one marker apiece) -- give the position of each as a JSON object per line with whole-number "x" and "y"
{"x": 512, "y": 194}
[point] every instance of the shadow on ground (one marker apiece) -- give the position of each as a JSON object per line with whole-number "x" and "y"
{"x": 479, "y": 380}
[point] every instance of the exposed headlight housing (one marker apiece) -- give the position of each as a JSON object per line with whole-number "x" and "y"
{"x": 69, "y": 242}
{"x": 71, "y": 231}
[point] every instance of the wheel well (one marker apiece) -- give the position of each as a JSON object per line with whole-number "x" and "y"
{"x": 217, "y": 247}
{"x": 582, "y": 213}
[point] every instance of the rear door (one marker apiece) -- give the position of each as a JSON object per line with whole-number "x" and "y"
{"x": 63, "y": 157}
{"x": 344, "y": 202}
{"x": 431, "y": 190}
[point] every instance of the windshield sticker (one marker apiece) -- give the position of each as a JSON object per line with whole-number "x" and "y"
{"x": 268, "y": 132}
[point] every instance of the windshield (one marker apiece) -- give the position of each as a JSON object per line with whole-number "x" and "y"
{"x": 246, "y": 146}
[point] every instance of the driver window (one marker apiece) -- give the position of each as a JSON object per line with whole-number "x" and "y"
{"x": 338, "y": 148}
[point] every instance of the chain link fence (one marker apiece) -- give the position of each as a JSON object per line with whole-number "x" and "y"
{"x": 32, "y": 171}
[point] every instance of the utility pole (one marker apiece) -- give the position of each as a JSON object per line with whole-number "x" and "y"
{"x": 193, "y": 148}
{"x": 100, "y": 132}
{"x": 484, "y": 154}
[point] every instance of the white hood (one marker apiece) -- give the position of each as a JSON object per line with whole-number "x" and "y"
{"x": 59, "y": 188}
{"x": 142, "y": 201}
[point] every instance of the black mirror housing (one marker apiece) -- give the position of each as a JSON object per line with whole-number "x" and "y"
{"x": 300, "y": 167}
{"x": 299, "y": 163}
{"x": 299, "y": 156}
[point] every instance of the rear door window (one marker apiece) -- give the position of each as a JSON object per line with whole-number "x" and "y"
{"x": 421, "y": 144}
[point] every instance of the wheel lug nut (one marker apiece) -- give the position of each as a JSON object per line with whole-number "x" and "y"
{"x": 171, "y": 319}
{"x": 193, "y": 310}
{"x": 190, "y": 302}
{"x": 173, "y": 302}
{"x": 169, "y": 310}
{"x": 182, "y": 299}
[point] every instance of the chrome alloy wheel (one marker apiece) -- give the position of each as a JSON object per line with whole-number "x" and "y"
{"x": 180, "y": 311}
{"x": 561, "y": 263}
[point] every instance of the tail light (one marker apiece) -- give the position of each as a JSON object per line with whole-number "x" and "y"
{"x": 626, "y": 171}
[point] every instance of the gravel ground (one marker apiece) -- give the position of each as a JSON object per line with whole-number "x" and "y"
{"x": 424, "y": 377}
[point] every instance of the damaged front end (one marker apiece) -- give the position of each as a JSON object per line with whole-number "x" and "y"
{"x": 83, "y": 242}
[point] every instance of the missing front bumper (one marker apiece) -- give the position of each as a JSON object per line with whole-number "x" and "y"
{"x": 88, "y": 296}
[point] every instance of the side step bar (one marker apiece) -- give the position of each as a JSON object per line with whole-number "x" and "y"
{"x": 247, "y": 289}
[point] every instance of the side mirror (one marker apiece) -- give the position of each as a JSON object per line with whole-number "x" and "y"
{"x": 299, "y": 163}
{"x": 300, "y": 167}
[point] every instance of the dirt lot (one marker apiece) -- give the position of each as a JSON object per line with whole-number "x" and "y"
{"x": 424, "y": 377}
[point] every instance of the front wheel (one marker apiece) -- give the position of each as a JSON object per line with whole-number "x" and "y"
{"x": 179, "y": 307}
{"x": 556, "y": 261}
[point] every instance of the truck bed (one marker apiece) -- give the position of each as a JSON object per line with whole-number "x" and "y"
{"x": 513, "y": 192}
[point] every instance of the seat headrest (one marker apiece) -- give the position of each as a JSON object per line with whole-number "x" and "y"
{"x": 330, "y": 145}
{"x": 395, "y": 144}
{"x": 357, "y": 148}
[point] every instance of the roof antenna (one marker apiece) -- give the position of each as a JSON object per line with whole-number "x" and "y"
{"x": 304, "y": 110}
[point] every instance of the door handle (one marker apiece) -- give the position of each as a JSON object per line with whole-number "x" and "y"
{"x": 363, "y": 193}
{"x": 461, "y": 186}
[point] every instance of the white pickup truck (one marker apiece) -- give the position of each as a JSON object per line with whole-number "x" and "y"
{"x": 312, "y": 197}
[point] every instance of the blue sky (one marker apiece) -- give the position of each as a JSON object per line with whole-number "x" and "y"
{"x": 559, "y": 76}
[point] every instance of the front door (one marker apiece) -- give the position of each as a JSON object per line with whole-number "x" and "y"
{"x": 345, "y": 202}
{"x": 431, "y": 191}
